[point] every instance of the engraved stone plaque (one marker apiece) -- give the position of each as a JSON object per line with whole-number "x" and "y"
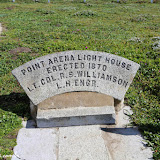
{"x": 71, "y": 71}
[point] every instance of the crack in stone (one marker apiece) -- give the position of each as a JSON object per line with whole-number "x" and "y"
{"x": 19, "y": 157}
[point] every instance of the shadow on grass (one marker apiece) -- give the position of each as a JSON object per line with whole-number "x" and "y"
{"x": 154, "y": 128}
{"x": 17, "y": 103}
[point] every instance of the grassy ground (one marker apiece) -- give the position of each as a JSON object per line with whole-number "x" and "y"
{"x": 35, "y": 29}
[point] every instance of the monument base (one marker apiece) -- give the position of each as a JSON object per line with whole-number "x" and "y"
{"x": 75, "y": 116}
{"x": 74, "y": 109}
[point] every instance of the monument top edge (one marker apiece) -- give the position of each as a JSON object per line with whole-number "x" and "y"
{"x": 77, "y": 51}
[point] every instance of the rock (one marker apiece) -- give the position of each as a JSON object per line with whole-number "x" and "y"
{"x": 156, "y": 46}
{"x": 135, "y": 39}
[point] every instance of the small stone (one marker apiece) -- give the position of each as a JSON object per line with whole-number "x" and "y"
{"x": 156, "y": 38}
{"x": 135, "y": 39}
{"x": 156, "y": 46}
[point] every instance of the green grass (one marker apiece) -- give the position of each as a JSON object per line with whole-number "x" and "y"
{"x": 102, "y": 25}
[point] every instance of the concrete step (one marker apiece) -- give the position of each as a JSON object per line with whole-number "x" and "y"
{"x": 66, "y": 143}
{"x": 75, "y": 116}
{"x": 93, "y": 142}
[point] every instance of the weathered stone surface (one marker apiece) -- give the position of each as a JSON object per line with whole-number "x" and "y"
{"x": 75, "y": 116}
{"x": 71, "y": 71}
{"x": 82, "y": 143}
{"x": 36, "y": 144}
{"x": 108, "y": 142}
{"x": 125, "y": 143}
{"x": 76, "y": 99}
{"x": 73, "y": 99}
{"x": 118, "y": 104}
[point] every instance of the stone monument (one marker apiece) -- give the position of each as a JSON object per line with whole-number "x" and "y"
{"x": 76, "y": 87}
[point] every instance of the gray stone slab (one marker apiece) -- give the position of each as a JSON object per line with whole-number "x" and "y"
{"x": 125, "y": 142}
{"x": 74, "y": 112}
{"x": 82, "y": 143}
{"x": 75, "y": 116}
{"x": 36, "y": 144}
{"x": 106, "y": 142}
{"x": 71, "y": 71}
